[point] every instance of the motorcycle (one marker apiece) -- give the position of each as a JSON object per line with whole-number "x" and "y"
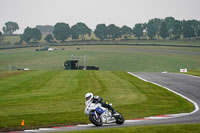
{"x": 99, "y": 115}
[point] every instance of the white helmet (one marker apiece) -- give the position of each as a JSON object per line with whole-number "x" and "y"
{"x": 89, "y": 96}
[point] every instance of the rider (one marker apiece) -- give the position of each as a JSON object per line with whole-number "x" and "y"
{"x": 97, "y": 99}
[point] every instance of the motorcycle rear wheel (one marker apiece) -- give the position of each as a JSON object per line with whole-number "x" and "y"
{"x": 119, "y": 119}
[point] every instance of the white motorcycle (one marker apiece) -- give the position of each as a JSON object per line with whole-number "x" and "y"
{"x": 99, "y": 115}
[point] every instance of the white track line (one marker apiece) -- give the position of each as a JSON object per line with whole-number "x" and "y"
{"x": 31, "y": 131}
{"x": 157, "y": 118}
{"x": 174, "y": 115}
{"x": 48, "y": 129}
{"x": 128, "y": 121}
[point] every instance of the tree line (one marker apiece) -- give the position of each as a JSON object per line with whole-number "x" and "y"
{"x": 168, "y": 28}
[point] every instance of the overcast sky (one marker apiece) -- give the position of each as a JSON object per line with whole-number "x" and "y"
{"x": 92, "y": 12}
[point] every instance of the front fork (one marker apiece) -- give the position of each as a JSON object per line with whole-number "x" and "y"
{"x": 95, "y": 113}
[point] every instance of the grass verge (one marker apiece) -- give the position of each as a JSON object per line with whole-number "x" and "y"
{"x": 195, "y": 72}
{"x": 176, "y": 128}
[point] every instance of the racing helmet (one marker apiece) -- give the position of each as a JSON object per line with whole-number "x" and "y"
{"x": 89, "y": 96}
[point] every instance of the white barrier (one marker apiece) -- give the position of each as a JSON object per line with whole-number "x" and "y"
{"x": 184, "y": 70}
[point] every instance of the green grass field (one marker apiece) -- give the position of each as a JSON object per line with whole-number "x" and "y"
{"x": 50, "y": 96}
{"x": 195, "y": 72}
{"x": 113, "y": 58}
{"x": 56, "y": 97}
{"x": 176, "y": 128}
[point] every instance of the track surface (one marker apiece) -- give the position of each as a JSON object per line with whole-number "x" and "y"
{"x": 188, "y": 86}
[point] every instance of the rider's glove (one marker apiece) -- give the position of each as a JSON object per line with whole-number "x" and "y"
{"x": 96, "y": 97}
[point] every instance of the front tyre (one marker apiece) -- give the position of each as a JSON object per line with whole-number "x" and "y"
{"x": 119, "y": 119}
{"x": 96, "y": 121}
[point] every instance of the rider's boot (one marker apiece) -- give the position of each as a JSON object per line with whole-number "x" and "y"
{"x": 114, "y": 113}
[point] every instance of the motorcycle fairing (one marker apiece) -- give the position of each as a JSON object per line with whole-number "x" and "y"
{"x": 99, "y": 110}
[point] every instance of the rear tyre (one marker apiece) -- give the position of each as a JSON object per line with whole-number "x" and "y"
{"x": 96, "y": 121}
{"x": 119, "y": 119}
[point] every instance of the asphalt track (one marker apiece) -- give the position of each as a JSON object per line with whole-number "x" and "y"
{"x": 185, "y": 85}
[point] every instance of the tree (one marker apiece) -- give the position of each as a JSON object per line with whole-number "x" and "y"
{"x": 113, "y": 31}
{"x": 126, "y": 31}
{"x": 138, "y": 30}
{"x": 177, "y": 29}
{"x": 198, "y": 29}
{"x": 198, "y": 33}
{"x": 45, "y": 28}
{"x": 0, "y": 36}
{"x": 36, "y": 35}
{"x": 10, "y": 27}
{"x": 61, "y": 31}
{"x": 163, "y": 30}
{"x": 170, "y": 23}
{"x": 196, "y": 26}
{"x": 31, "y": 33}
{"x": 153, "y": 27}
{"x": 26, "y": 36}
{"x": 151, "y": 31}
{"x": 80, "y": 29}
{"x": 188, "y": 30}
{"x": 48, "y": 38}
{"x": 100, "y": 31}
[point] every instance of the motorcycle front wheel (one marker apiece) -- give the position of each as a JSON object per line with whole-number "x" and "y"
{"x": 95, "y": 120}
